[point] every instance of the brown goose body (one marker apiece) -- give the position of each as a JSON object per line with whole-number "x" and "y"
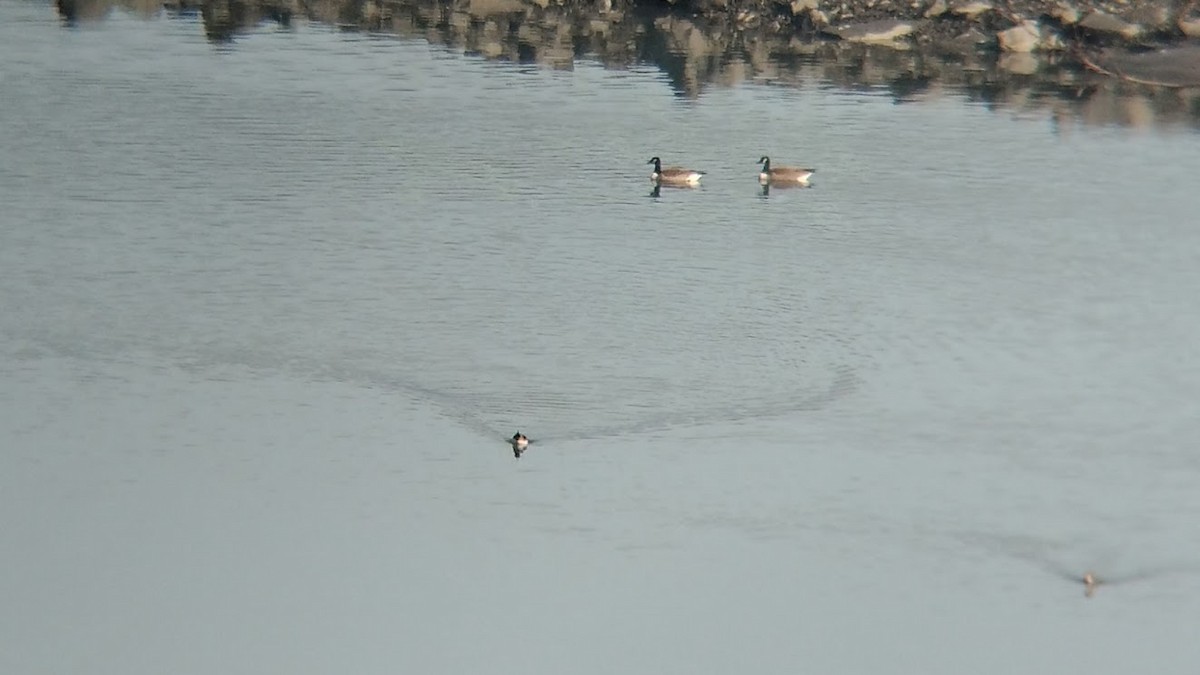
{"x": 674, "y": 175}
{"x": 780, "y": 175}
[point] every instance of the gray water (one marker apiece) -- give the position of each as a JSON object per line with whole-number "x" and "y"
{"x": 270, "y": 308}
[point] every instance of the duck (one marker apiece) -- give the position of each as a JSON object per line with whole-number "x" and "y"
{"x": 674, "y": 175}
{"x": 519, "y": 443}
{"x": 781, "y": 175}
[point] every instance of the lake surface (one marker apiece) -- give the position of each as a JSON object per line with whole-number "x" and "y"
{"x": 270, "y": 307}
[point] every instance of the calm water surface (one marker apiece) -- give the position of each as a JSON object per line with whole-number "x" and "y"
{"x": 270, "y": 307}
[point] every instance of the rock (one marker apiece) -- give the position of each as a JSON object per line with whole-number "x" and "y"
{"x": 1152, "y": 16}
{"x": 1051, "y": 41}
{"x": 1107, "y": 24}
{"x": 1190, "y": 26}
{"x": 1066, "y": 14}
{"x": 938, "y": 8}
{"x": 970, "y": 9}
{"x": 799, "y": 6}
{"x": 1023, "y": 37}
{"x": 973, "y": 37}
{"x": 883, "y": 31}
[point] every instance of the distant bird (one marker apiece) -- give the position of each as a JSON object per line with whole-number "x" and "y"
{"x": 1089, "y": 579}
{"x": 519, "y": 443}
{"x": 1039, "y": 553}
{"x": 674, "y": 175}
{"x": 782, "y": 175}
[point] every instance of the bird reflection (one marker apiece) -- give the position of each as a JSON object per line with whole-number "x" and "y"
{"x": 767, "y": 188}
{"x": 657, "y": 191}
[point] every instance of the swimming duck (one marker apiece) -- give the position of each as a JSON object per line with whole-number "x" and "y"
{"x": 519, "y": 443}
{"x": 674, "y": 175}
{"x": 782, "y": 174}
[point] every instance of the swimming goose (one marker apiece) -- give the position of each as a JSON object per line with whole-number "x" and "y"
{"x": 519, "y": 443}
{"x": 782, "y": 174}
{"x": 674, "y": 175}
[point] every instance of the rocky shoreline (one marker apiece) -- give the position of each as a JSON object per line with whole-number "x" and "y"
{"x": 1064, "y": 57}
{"x": 1007, "y": 25}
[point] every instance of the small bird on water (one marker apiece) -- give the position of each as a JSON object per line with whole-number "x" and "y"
{"x": 1041, "y": 554}
{"x": 519, "y": 443}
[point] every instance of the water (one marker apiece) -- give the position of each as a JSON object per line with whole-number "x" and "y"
{"x": 271, "y": 306}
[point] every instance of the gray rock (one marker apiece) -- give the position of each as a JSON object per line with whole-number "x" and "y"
{"x": 1154, "y": 16}
{"x": 973, "y": 36}
{"x": 1100, "y": 22}
{"x": 883, "y": 31}
{"x": 966, "y": 43}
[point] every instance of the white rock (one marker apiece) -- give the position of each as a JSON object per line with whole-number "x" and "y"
{"x": 1024, "y": 37}
{"x": 938, "y": 8}
{"x": 1190, "y": 27}
{"x": 970, "y": 8}
{"x": 1067, "y": 14}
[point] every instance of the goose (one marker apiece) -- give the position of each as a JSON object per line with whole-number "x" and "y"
{"x": 782, "y": 174}
{"x": 674, "y": 175}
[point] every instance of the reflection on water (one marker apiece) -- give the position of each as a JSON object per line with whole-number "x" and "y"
{"x": 262, "y": 341}
{"x": 767, "y": 188}
{"x": 695, "y": 55}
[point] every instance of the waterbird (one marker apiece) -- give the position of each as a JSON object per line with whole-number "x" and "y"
{"x": 1089, "y": 579}
{"x": 519, "y": 443}
{"x": 782, "y": 175}
{"x": 1040, "y": 554}
{"x": 674, "y": 175}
